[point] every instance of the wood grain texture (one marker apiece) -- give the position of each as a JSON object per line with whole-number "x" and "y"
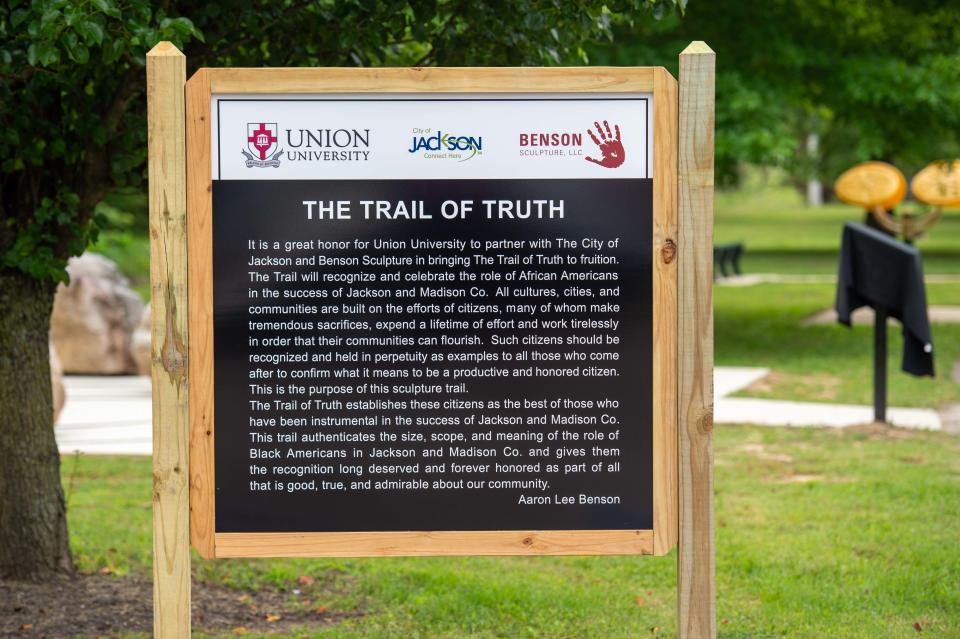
{"x": 200, "y": 222}
{"x": 166, "y": 74}
{"x": 414, "y": 544}
{"x": 696, "y": 587}
{"x": 665, "y": 496}
{"x": 441, "y": 80}
{"x": 207, "y": 82}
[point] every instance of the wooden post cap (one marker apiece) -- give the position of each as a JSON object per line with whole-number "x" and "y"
{"x": 164, "y": 48}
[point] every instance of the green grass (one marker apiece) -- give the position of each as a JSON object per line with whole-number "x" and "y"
{"x": 131, "y": 252}
{"x": 770, "y": 218}
{"x": 124, "y": 238}
{"x": 783, "y": 235}
{"x": 816, "y": 537}
{"x": 761, "y": 326}
{"x": 824, "y": 262}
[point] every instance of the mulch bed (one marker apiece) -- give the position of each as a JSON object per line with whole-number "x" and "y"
{"x": 107, "y": 606}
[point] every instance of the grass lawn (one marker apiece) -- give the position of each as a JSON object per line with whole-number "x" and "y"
{"x": 783, "y": 235}
{"x": 819, "y": 534}
{"x": 761, "y": 326}
{"x": 131, "y": 252}
{"x": 825, "y": 262}
{"x": 775, "y": 218}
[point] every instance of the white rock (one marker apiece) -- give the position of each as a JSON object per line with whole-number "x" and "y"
{"x": 94, "y": 318}
{"x": 56, "y": 381}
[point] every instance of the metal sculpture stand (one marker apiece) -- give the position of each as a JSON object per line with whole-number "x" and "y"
{"x": 906, "y": 226}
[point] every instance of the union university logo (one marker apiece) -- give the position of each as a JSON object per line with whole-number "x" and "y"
{"x": 262, "y": 145}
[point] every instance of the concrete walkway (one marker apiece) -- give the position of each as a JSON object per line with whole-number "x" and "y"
{"x": 106, "y": 416}
{"x": 728, "y": 380}
{"x": 111, "y": 415}
{"x": 775, "y": 412}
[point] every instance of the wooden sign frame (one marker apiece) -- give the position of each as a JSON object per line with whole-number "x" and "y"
{"x": 435, "y": 81}
{"x": 181, "y": 281}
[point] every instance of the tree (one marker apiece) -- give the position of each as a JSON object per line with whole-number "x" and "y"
{"x": 876, "y": 79}
{"x": 72, "y": 127}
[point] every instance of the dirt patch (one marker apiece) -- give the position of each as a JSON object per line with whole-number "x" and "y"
{"x": 107, "y": 606}
{"x": 760, "y": 451}
{"x": 763, "y": 385}
{"x": 950, "y": 417}
{"x": 864, "y": 316}
{"x": 799, "y": 479}
{"x": 805, "y": 478}
{"x": 813, "y": 387}
{"x": 879, "y": 430}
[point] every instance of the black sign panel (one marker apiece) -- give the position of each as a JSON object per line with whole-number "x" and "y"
{"x": 397, "y": 355}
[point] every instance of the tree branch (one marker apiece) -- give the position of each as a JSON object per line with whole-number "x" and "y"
{"x": 95, "y": 167}
{"x": 443, "y": 27}
{"x": 205, "y": 55}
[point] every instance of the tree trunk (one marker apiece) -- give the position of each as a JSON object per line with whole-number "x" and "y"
{"x": 814, "y": 186}
{"x": 33, "y": 521}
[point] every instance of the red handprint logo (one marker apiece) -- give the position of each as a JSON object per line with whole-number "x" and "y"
{"x": 611, "y": 148}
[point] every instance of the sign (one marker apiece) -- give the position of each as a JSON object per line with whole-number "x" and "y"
{"x": 434, "y": 317}
{"x": 432, "y": 312}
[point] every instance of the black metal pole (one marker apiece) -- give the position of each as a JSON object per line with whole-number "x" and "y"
{"x": 880, "y": 365}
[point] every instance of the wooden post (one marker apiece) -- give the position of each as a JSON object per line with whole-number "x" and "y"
{"x": 696, "y": 587}
{"x": 166, "y": 76}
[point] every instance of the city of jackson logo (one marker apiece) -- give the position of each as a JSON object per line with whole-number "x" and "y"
{"x": 435, "y": 144}
{"x": 611, "y": 149}
{"x": 262, "y": 145}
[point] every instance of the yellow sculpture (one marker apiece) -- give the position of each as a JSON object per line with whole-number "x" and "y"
{"x": 879, "y": 187}
{"x": 871, "y": 184}
{"x": 938, "y": 184}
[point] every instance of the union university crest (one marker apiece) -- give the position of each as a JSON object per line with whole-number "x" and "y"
{"x": 262, "y": 145}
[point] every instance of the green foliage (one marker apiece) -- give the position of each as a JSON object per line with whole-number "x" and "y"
{"x": 876, "y": 79}
{"x": 71, "y": 118}
{"x": 123, "y": 236}
{"x": 763, "y": 325}
{"x": 72, "y": 111}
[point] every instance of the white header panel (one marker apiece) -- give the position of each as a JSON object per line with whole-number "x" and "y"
{"x": 411, "y": 137}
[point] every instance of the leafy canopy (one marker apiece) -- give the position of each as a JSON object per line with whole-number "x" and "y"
{"x": 72, "y": 110}
{"x": 877, "y": 79}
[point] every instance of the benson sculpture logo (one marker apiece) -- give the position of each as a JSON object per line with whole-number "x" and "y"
{"x": 262, "y": 145}
{"x": 611, "y": 149}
